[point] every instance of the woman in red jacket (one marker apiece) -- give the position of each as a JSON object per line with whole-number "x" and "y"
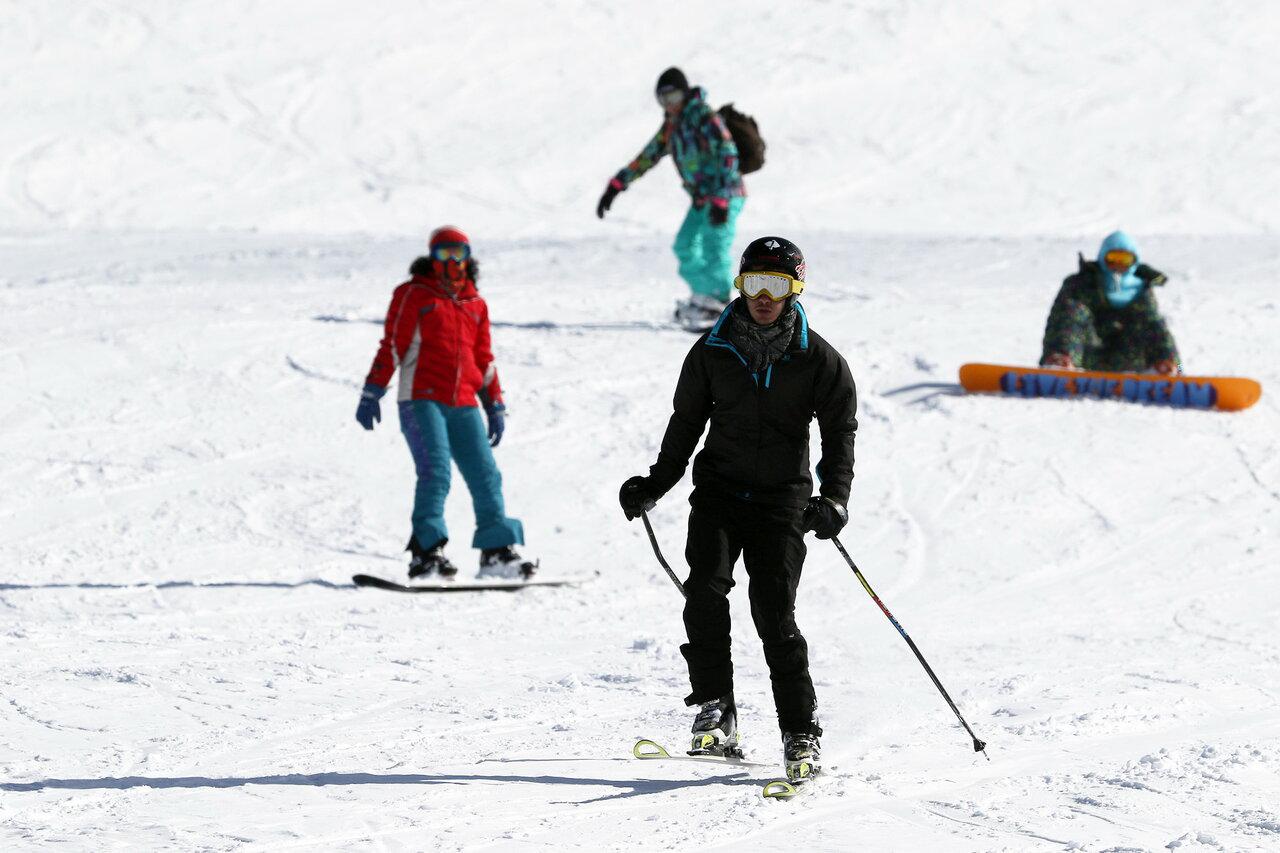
{"x": 437, "y": 335}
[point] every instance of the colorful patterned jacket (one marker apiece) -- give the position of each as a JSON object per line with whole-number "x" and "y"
{"x": 1096, "y": 336}
{"x": 702, "y": 148}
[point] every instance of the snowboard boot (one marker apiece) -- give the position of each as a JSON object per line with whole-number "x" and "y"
{"x": 426, "y": 561}
{"x": 715, "y": 729}
{"x": 505, "y": 562}
{"x": 802, "y": 753}
{"x": 698, "y": 313}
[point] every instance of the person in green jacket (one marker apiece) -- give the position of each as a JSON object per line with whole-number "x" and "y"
{"x": 1106, "y": 317}
{"x": 706, "y": 158}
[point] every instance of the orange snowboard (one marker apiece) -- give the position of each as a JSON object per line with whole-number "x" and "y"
{"x": 1225, "y": 393}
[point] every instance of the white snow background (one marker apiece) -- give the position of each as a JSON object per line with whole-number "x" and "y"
{"x": 204, "y": 209}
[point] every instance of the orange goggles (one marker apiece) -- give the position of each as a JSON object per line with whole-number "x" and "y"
{"x": 775, "y": 285}
{"x": 1119, "y": 260}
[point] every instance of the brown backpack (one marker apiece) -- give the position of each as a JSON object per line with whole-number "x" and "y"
{"x": 746, "y": 135}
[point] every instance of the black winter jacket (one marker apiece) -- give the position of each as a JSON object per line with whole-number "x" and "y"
{"x": 758, "y": 446}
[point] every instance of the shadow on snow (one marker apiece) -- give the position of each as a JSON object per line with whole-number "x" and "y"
{"x": 537, "y": 325}
{"x": 629, "y": 787}
{"x": 181, "y": 585}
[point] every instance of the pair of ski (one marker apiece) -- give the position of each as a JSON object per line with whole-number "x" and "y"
{"x": 776, "y": 789}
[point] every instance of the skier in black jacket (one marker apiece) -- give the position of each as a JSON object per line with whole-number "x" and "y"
{"x": 760, "y": 376}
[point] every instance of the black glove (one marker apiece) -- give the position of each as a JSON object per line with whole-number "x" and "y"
{"x": 718, "y": 215}
{"x": 473, "y": 270}
{"x": 606, "y": 200}
{"x": 635, "y": 495}
{"x": 824, "y": 517}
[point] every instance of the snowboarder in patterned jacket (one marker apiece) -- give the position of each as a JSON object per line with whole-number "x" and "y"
{"x": 1106, "y": 317}
{"x": 706, "y": 158}
{"x": 437, "y": 335}
{"x": 759, "y": 378}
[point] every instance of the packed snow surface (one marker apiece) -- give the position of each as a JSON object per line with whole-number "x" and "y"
{"x": 204, "y": 210}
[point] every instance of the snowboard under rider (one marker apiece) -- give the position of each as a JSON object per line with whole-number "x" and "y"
{"x": 706, "y": 159}
{"x": 759, "y": 376}
{"x": 1106, "y": 318}
{"x": 437, "y": 335}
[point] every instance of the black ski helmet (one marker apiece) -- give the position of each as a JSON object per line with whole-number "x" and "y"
{"x": 773, "y": 254}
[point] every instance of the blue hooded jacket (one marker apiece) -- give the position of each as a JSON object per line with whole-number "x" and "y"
{"x": 1119, "y": 288}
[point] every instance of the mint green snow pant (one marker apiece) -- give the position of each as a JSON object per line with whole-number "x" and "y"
{"x": 703, "y": 251}
{"x": 439, "y": 435}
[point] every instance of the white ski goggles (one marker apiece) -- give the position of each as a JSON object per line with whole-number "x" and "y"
{"x": 670, "y": 97}
{"x": 775, "y": 285}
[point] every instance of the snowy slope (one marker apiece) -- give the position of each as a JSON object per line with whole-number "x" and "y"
{"x": 917, "y": 117}
{"x": 184, "y": 663}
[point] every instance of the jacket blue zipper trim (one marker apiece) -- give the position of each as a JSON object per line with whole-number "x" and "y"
{"x": 714, "y": 340}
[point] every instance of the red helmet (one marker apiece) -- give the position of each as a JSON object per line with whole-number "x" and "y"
{"x": 448, "y": 261}
{"x": 448, "y": 234}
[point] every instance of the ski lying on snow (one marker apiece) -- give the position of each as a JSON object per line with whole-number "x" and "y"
{"x": 465, "y": 586}
{"x": 776, "y": 789}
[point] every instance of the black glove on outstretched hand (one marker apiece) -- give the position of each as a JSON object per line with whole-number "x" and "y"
{"x": 635, "y": 496}
{"x": 824, "y": 517}
{"x": 606, "y": 200}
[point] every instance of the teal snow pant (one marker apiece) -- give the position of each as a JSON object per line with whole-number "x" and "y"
{"x": 703, "y": 251}
{"x": 439, "y": 435}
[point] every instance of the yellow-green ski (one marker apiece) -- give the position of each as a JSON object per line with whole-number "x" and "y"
{"x": 781, "y": 789}
{"x": 652, "y": 750}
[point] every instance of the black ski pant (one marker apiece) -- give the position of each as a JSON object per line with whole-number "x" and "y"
{"x": 771, "y": 543}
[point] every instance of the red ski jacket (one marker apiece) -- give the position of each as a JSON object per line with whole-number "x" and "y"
{"x": 439, "y": 340}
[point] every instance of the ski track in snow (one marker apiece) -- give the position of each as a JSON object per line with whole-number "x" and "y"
{"x": 191, "y": 297}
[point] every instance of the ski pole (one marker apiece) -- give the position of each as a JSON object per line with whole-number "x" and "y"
{"x": 653, "y": 540}
{"x": 978, "y": 745}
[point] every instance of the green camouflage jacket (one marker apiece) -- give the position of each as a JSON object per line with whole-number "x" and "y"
{"x": 1096, "y": 336}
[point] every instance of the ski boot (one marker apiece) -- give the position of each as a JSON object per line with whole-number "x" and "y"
{"x": 698, "y": 313}
{"x": 715, "y": 729}
{"x": 505, "y": 562}
{"x": 802, "y": 753}
{"x": 425, "y": 561}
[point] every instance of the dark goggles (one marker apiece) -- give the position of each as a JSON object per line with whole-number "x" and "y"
{"x": 451, "y": 252}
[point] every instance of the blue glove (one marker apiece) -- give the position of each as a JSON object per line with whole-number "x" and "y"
{"x": 497, "y": 423}
{"x": 369, "y": 411}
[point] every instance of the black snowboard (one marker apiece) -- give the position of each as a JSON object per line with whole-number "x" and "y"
{"x": 464, "y": 586}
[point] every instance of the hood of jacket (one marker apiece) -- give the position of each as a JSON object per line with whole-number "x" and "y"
{"x": 1120, "y": 288}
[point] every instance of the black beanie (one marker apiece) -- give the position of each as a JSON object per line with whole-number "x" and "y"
{"x": 672, "y": 78}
